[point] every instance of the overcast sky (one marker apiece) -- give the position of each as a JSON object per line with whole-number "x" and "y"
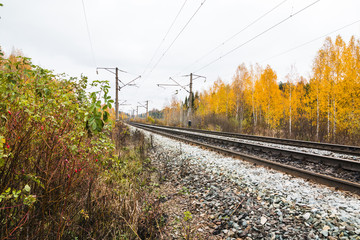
{"x": 126, "y": 34}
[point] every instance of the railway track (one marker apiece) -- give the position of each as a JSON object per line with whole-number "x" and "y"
{"x": 343, "y": 149}
{"x": 344, "y": 174}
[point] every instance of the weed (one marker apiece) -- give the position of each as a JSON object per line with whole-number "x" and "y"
{"x": 186, "y": 226}
{"x": 184, "y": 191}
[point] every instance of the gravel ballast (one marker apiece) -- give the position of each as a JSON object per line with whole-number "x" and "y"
{"x": 280, "y": 146}
{"x": 242, "y": 201}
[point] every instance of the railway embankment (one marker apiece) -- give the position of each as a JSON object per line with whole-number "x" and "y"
{"x": 210, "y": 196}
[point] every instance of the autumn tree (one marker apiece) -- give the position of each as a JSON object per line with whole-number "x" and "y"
{"x": 335, "y": 85}
{"x": 268, "y": 96}
{"x": 326, "y": 107}
{"x": 240, "y": 80}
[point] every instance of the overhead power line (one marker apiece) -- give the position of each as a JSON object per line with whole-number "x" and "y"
{"x": 258, "y": 35}
{"x": 313, "y": 40}
{"x": 234, "y": 35}
{"x": 163, "y": 40}
{"x": 172, "y": 43}
{"x": 88, "y": 32}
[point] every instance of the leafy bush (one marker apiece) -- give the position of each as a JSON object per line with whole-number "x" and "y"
{"x": 53, "y": 142}
{"x": 64, "y": 172}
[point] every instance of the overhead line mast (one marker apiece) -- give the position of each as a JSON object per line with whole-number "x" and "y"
{"x": 190, "y": 91}
{"x": 117, "y": 87}
{"x": 146, "y": 106}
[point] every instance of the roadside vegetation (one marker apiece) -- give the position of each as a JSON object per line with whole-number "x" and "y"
{"x": 66, "y": 170}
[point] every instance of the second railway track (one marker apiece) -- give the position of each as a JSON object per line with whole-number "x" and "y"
{"x": 339, "y": 173}
{"x": 338, "y": 148}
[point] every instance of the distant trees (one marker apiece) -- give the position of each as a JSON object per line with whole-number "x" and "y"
{"x": 335, "y": 87}
{"x": 155, "y": 113}
{"x": 325, "y": 107}
{"x": 172, "y": 113}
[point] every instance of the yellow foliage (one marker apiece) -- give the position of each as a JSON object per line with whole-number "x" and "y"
{"x": 327, "y": 104}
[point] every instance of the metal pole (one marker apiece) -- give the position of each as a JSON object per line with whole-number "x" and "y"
{"x": 117, "y": 87}
{"x": 117, "y": 94}
{"x": 137, "y": 111}
{"x": 190, "y": 97}
{"x": 147, "y": 108}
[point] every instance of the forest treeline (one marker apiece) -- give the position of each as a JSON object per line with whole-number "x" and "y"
{"x": 323, "y": 107}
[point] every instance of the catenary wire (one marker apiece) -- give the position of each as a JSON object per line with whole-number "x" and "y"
{"x": 232, "y": 37}
{"x": 88, "y": 32}
{"x": 308, "y": 42}
{"x": 163, "y": 40}
{"x": 172, "y": 43}
{"x": 256, "y": 36}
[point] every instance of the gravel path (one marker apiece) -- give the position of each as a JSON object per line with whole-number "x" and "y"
{"x": 242, "y": 201}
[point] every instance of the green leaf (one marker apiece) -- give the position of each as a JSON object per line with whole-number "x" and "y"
{"x": 105, "y": 116}
{"x": 27, "y": 188}
{"x": 93, "y": 125}
{"x": 30, "y": 200}
{"x": 91, "y": 119}
{"x": 100, "y": 124}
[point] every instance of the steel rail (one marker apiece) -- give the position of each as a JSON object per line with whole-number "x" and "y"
{"x": 331, "y": 161}
{"x": 337, "y": 183}
{"x": 338, "y": 148}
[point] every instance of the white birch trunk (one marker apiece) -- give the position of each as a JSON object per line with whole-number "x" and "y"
{"x": 317, "y": 117}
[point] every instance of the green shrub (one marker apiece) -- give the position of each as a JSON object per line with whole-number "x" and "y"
{"x": 64, "y": 172}
{"x": 53, "y": 142}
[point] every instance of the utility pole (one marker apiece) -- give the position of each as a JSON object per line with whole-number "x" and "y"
{"x": 146, "y": 107}
{"x": 133, "y": 113}
{"x": 117, "y": 87}
{"x": 123, "y": 104}
{"x": 190, "y": 97}
{"x": 117, "y": 94}
{"x": 184, "y": 87}
{"x": 137, "y": 111}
